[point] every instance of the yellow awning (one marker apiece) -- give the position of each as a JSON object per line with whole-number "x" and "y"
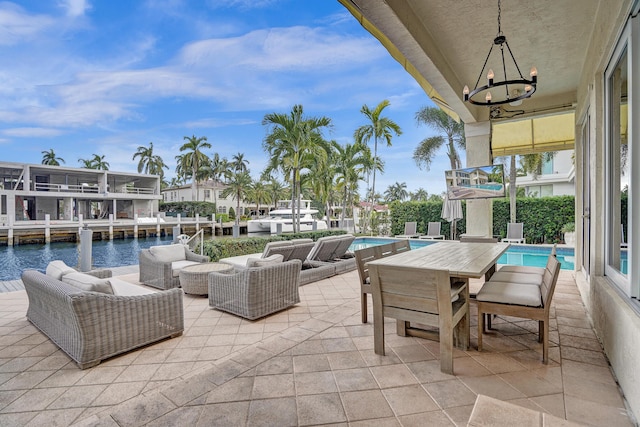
{"x": 536, "y": 135}
{"x": 398, "y": 56}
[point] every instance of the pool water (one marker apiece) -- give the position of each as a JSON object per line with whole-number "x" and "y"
{"x": 528, "y": 255}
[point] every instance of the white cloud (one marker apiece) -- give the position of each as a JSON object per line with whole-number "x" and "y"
{"x": 16, "y": 25}
{"x": 32, "y": 132}
{"x": 75, "y": 8}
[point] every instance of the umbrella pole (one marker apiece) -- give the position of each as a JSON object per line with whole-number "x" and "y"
{"x": 453, "y": 229}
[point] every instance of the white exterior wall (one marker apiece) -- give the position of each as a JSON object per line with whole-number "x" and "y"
{"x": 562, "y": 180}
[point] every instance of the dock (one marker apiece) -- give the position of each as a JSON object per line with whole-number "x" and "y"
{"x": 38, "y": 232}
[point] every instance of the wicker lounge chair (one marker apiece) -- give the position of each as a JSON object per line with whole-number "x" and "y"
{"x": 93, "y": 326}
{"x": 160, "y": 265}
{"x": 256, "y": 292}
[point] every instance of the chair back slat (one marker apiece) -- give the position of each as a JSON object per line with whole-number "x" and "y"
{"x": 401, "y": 246}
{"x": 549, "y": 280}
{"x": 363, "y": 256}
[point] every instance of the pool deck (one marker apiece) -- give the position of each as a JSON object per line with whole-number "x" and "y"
{"x": 309, "y": 365}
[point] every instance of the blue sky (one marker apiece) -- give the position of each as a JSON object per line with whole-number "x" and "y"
{"x": 105, "y": 77}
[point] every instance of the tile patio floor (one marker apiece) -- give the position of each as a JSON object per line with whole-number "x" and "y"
{"x": 310, "y": 365}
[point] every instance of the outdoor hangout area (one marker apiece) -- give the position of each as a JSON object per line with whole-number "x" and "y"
{"x": 262, "y": 349}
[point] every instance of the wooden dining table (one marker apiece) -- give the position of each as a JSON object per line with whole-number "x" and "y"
{"x": 463, "y": 260}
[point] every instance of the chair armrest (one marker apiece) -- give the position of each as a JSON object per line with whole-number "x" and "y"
{"x": 192, "y": 256}
{"x": 100, "y": 273}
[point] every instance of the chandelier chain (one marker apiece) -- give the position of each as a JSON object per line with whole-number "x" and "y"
{"x": 499, "y": 13}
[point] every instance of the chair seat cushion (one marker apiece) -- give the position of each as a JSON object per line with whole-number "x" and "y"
{"x": 168, "y": 253}
{"x": 515, "y": 277}
{"x": 86, "y": 282}
{"x": 122, "y": 288}
{"x": 510, "y": 293}
{"x": 176, "y": 266}
{"x": 522, "y": 269}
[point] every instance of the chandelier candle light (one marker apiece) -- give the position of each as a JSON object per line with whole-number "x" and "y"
{"x": 514, "y": 90}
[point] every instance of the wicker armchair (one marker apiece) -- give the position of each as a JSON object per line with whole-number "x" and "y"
{"x": 160, "y": 265}
{"x": 92, "y": 326}
{"x": 257, "y": 291}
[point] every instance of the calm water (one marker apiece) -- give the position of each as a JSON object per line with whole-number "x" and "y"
{"x": 115, "y": 253}
{"x": 529, "y": 255}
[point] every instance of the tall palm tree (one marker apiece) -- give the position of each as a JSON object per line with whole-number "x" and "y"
{"x": 419, "y": 195}
{"x": 259, "y": 193}
{"x": 237, "y": 185}
{"x": 452, "y": 135}
{"x": 194, "y": 157}
{"x": 530, "y": 163}
{"x": 50, "y": 158}
{"x": 351, "y": 162}
{"x": 277, "y": 191}
{"x": 294, "y": 143}
{"x": 149, "y": 163}
{"x": 239, "y": 163}
{"x": 379, "y": 128}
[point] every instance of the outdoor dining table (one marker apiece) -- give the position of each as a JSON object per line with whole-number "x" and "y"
{"x": 462, "y": 260}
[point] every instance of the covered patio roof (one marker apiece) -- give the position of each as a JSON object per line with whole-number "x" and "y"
{"x": 444, "y": 45}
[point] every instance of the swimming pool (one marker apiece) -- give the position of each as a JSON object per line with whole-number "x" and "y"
{"x": 529, "y": 255}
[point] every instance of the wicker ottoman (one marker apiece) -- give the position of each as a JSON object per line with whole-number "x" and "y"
{"x": 194, "y": 278}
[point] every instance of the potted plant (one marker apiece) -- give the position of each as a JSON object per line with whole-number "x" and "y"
{"x": 569, "y": 230}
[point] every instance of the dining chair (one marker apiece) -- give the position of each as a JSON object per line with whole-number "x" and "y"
{"x": 515, "y": 233}
{"x": 433, "y": 231}
{"x": 478, "y": 239}
{"x": 527, "y": 301}
{"x": 369, "y": 254}
{"x": 422, "y": 296}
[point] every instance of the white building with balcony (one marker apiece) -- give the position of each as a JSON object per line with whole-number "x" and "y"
{"x": 30, "y": 191}
{"x": 556, "y": 178}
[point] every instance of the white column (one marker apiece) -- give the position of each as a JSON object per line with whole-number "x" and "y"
{"x": 47, "y": 228}
{"x": 479, "y": 211}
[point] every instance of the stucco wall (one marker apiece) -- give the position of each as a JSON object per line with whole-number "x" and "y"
{"x": 618, "y": 328}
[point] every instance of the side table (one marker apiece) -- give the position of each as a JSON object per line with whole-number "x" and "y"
{"x": 194, "y": 278}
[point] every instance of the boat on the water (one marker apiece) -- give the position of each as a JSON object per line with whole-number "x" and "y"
{"x": 280, "y": 220}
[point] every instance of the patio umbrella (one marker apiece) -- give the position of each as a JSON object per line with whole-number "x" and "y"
{"x": 451, "y": 212}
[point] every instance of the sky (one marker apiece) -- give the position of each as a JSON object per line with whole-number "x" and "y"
{"x": 85, "y": 77}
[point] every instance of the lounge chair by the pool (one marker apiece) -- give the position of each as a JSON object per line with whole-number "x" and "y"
{"x": 410, "y": 230}
{"x": 515, "y": 233}
{"x": 433, "y": 232}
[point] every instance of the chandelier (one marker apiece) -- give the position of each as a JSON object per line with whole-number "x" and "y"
{"x": 506, "y": 91}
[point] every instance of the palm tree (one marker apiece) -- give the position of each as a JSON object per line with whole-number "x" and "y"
{"x": 237, "y": 185}
{"x": 420, "y": 195}
{"x": 259, "y": 193}
{"x": 530, "y": 163}
{"x": 397, "y": 191}
{"x": 50, "y": 158}
{"x": 277, "y": 191}
{"x": 294, "y": 143}
{"x": 194, "y": 157}
{"x": 453, "y": 137}
{"x": 149, "y": 163}
{"x": 239, "y": 163}
{"x": 378, "y": 128}
{"x": 96, "y": 162}
{"x": 351, "y": 162}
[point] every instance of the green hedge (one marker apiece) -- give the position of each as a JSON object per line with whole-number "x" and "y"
{"x": 543, "y": 218}
{"x": 228, "y": 247}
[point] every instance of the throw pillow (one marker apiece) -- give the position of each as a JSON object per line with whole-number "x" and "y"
{"x": 87, "y": 282}
{"x": 168, "y": 253}
{"x": 263, "y": 262}
{"x": 57, "y": 269}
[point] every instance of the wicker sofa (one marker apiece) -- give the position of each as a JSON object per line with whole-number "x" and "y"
{"x": 93, "y": 326}
{"x": 256, "y": 292}
{"x": 160, "y": 265}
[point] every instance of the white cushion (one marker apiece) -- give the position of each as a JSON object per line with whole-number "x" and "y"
{"x": 514, "y": 277}
{"x": 57, "y": 269}
{"x": 263, "y": 262}
{"x": 168, "y": 253}
{"x": 510, "y": 293}
{"x": 176, "y": 266}
{"x": 87, "y": 282}
{"x": 523, "y": 269}
{"x": 126, "y": 289}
